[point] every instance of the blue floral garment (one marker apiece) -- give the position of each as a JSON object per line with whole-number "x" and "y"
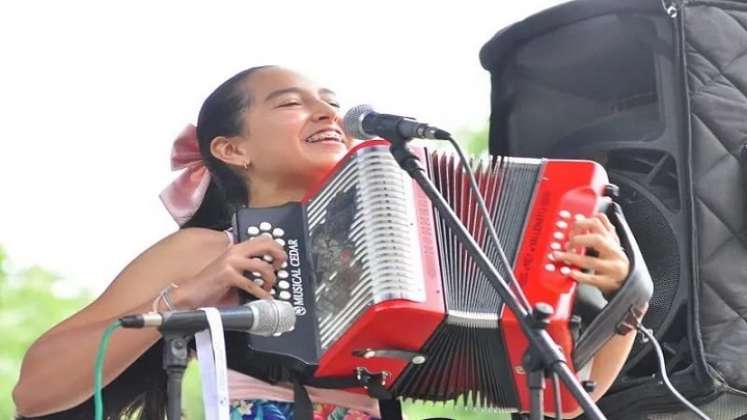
{"x": 275, "y": 410}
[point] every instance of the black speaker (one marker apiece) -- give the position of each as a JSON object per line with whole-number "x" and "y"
{"x": 613, "y": 98}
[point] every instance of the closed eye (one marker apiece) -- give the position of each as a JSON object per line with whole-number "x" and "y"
{"x": 287, "y": 104}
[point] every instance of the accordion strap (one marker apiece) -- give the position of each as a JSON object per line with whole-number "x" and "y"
{"x": 389, "y": 407}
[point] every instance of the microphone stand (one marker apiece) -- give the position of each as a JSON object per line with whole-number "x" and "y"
{"x": 543, "y": 354}
{"x": 175, "y": 357}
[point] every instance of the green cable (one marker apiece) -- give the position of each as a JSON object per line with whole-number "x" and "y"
{"x": 98, "y": 369}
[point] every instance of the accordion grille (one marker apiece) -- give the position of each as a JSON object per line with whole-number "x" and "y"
{"x": 363, "y": 241}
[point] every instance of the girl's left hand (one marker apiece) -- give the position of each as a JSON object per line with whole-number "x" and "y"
{"x": 608, "y": 266}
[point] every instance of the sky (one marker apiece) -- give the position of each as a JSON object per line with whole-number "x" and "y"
{"x": 92, "y": 95}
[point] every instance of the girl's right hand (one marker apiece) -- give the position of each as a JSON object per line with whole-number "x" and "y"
{"x": 224, "y": 274}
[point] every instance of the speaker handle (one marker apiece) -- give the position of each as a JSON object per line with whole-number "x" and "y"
{"x": 630, "y": 301}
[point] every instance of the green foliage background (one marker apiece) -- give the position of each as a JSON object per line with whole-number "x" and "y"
{"x": 29, "y": 306}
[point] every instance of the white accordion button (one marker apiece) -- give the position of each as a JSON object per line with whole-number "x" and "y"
{"x": 283, "y": 284}
{"x": 280, "y": 241}
{"x": 565, "y": 214}
{"x": 558, "y": 236}
{"x": 565, "y": 270}
{"x": 284, "y": 265}
{"x": 579, "y": 216}
{"x": 561, "y": 224}
{"x": 555, "y": 246}
{"x": 267, "y": 258}
{"x": 285, "y": 295}
{"x": 259, "y": 282}
{"x": 550, "y": 267}
{"x": 282, "y": 274}
{"x": 253, "y": 230}
{"x": 265, "y": 227}
{"x": 277, "y": 232}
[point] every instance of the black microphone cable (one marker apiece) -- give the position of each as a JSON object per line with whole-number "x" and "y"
{"x": 649, "y": 336}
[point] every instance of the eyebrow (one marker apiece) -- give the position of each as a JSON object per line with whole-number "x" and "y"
{"x": 280, "y": 92}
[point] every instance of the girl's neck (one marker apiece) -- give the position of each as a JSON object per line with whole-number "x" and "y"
{"x": 271, "y": 196}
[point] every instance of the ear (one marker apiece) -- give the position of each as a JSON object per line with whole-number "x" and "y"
{"x": 230, "y": 150}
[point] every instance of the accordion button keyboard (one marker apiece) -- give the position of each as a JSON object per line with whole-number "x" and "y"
{"x": 281, "y": 289}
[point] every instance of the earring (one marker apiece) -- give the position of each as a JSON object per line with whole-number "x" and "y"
{"x": 246, "y": 165}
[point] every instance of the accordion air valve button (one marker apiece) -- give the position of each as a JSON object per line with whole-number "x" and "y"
{"x": 418, "y": 360}
{"x": 252, "y": 230}
{"x": 265, "y": 226}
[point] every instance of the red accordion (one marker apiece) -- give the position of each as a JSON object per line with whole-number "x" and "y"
{"x": 381, "y": 285}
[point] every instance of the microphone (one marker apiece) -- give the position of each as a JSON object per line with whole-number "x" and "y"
{"x": 259, "y": 317}
{"x": 362, "y": 122}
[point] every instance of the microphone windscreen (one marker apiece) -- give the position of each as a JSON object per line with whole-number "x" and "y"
{"x": 271, "y": 317}
{"x": 353, "y": 122}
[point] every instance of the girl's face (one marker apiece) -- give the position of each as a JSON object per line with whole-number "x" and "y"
{"x": 293, "y": 133}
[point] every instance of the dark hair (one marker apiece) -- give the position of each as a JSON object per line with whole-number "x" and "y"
{"x": 141, "y": 389}
{"x": 221, "y": 115}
